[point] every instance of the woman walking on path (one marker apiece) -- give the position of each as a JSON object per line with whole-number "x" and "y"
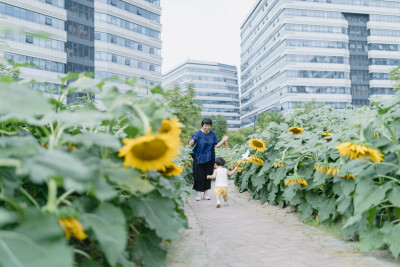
{"x": 203, "y": 157}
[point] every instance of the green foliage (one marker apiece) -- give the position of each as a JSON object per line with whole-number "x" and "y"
{"x": 362, "y": 197}
{"x": 182, "y": 104}
{"x": 265, "y": 118}
{"x": 239, "y": 137}
{"x": 61, "y": 161}
{"x": 394, "y": 75}
{"x": 219, "y": 125}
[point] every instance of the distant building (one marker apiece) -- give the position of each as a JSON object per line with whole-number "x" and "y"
{"x": 106, "y": 37}
{"x": 216, "y": 87}
{"x": 336, "y": 52}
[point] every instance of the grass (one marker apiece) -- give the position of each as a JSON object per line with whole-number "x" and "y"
{"x": 333, "y": 228}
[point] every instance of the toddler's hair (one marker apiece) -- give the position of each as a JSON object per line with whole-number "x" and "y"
{"x": 220, "y": 161}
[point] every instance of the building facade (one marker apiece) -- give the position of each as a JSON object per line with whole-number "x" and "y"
{"x": 333, "y": 52}
{"x": 216, "y": 87}
{"x": 106, "y": 37}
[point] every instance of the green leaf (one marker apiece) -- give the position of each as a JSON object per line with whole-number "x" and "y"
{"x": 258, "y": 182}
{"x": 326, "y": 209}
{"x": 124, "y": 262}
{"x": 51, "y": 163}
{"x": 128, "y": 179}
{"x": 289, "y": 193}
{"x": 89, "y": 118}
{"x": 7, "y": 217}
{"x": 157, "y": 90}
{"x": 89, "y": 263}
{"x": 305, "y": 210}
{"x": 91, "y": 139}
{"x": 278, "y": 175}
{"x": 29, "y": 107}
{"x": 368, "y": 194}
{"x": 159, "y": 213}
{"x": 371, "y": 239}
{"x": 343, "y": 204}
{"x": 391, "y": 237}
{"x": 108, "y": 224}
{"x": 37, "y": 241}
{"x": 19, "y": 250}
{"x": 149, "y": 250}
{"x": 394, "y": 195}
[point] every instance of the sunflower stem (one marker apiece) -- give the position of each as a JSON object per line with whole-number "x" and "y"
{"x": 28, "y": 196}
{"x": 388, "y": 214}
{"x": 143, "y": 118}
{"x": 52, "y": 196}
{"x": 362, "y": 137}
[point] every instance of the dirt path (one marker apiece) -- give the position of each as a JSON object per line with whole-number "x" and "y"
{"x": 249, "y": 234}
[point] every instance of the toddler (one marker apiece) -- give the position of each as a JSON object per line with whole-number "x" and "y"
{"x": 221, "y": 182}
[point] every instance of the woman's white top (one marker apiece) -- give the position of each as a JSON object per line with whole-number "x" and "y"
{"x": 222, "y": 177}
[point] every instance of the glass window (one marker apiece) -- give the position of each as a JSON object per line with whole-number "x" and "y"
{"x": 49, "y": 21}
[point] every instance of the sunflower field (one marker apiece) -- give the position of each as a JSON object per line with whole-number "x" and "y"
{"x": 83, "y": 186}
{"x": 340, "y": 166}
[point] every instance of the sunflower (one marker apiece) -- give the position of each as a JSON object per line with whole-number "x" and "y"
{"x": 188, "y": 163}
{"x": 172, "y": 170}
{"x": 291, "y": 181}
{"x": 71, "y": 147}
{"x": 72, "y": 226}
{"x": 172, "y": 128}
{"x": 257, "y": 144}
{"x": 332, "y": 171}
{"x": 296, "y": 130}
{"x": 239, "y": 170}
{"x": 149, "y": 152}
{"x": 321, "y": 167}
{"x": 277, "y": 164}
{"x": 312, "y": 126}
{"x": 326, "y": 135}
{"x": 376, "y": 134}
{"x": 356, "y": 151}
{"x": 348, "y": 177}
{"x": 256, "y": 160}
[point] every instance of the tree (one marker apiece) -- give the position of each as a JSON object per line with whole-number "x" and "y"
{"x": 182, "y": 104}
{"x": 394, "y": 75}
{"x": 219, "y": 126}
{"x": 239, "y": 137}
{"x": 265, "y": 118}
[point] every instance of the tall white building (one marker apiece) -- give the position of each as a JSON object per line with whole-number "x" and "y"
{"x": 128, "y": 40}
{"x": 335, "y": 52}
{"x": 22, "y": 20}
{"x": 106, "y": 37}
{"x": 216, "y": 87}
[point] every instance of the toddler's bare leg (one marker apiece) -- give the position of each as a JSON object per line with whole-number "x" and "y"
{"x": 217, "y": 199}
{"x": 226, "y": 200}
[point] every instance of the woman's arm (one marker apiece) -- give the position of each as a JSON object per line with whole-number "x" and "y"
{"x": 194, "y": 139}
{"x": 225, "y": 138}
{"x": 230, "y": 173}
{"x": 213, "y": 176}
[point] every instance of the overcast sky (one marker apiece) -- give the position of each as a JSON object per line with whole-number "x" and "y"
{"x": 202, "y": 30}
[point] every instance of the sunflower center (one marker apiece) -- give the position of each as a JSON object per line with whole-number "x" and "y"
{"x": 150, "y": 150}
{"x": 257, "y": 143}
{"x": 165, "y": 128}
{"x": 295, "y": 130}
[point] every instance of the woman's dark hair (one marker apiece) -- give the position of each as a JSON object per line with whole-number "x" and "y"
{"x": 220, "y": 161}
{"x": 206, "y": 121}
